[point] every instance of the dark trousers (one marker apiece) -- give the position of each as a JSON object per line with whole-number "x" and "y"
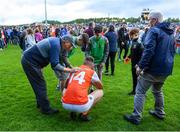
{"x": 125, "y": 47}
{"x": 111, "y": 57}
{"x": 134, "y": 77}
{"x": 1, "y": 43}
{"x": 36, "y": 79}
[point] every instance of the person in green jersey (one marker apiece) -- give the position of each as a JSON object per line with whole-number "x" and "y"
{"x": 98, "y": 48}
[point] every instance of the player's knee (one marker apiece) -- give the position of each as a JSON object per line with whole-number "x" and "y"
{"x": 100, "y": 93}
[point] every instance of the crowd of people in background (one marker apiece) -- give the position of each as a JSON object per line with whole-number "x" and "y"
{"x": 14, "y": 34}
{"x": 102, "y": 42}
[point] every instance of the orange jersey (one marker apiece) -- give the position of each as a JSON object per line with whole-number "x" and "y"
{"x": 78, "y": 86}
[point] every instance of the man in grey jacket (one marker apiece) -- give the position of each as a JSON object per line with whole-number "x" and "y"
{"x": 39, "y": 56}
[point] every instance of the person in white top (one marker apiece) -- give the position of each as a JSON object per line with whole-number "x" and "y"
{"x": 29, "y": 39}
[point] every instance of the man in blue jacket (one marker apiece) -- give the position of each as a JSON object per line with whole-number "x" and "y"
{"x": 39, "y": 56}
{"x": 154, "y": 67}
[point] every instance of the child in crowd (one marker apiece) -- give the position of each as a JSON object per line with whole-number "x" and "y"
{"x": 135, "y": 55}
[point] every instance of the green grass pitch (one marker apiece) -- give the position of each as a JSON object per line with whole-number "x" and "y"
{"x": 18, "y": 109}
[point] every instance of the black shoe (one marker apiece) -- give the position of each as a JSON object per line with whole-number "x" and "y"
{"x": 153, "y": 113}
{"x": 50, "y": 111}
{"x": 73, "y": 115}
{"x": 84, "y": 117}
{"x": 132, "y": 119}
{"x": 131, "y": 93}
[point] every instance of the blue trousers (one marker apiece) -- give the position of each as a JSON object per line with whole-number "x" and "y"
{"x": 36, "y": 79}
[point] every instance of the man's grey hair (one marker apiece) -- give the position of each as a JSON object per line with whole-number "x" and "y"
{"x": 157, "y": 15}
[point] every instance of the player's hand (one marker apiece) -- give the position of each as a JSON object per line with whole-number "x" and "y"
{"x": 126, "y": 60}
{"x": 76, "y": 69}
{"x": 136, "y": 66}
{"x": 122, "y": 43}
{"x": 138, "y": 70}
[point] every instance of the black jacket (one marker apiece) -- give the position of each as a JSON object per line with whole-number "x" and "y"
{"x": 122, "y": 36}
{"x": 136, "y": 52}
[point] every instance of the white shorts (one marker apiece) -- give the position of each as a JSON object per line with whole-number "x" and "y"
{"x": 80, "y": 108}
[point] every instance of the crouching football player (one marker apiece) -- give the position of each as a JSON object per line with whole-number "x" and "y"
{"x": 75, "y": 96}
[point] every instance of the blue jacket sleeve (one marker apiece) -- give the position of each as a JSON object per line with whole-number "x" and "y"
{"x": 54, "y": 53}
{"x": 149, "y": 48}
